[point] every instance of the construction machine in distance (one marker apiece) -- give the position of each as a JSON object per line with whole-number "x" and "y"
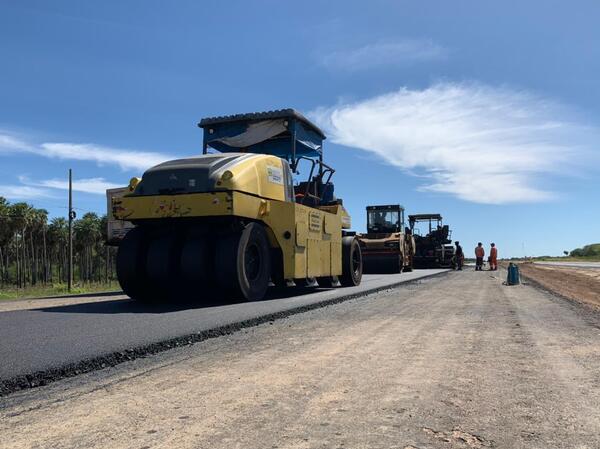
{"x": 433, "y": 249}
{"x": 387, "y": 247}
{"x": 232, "y": 220}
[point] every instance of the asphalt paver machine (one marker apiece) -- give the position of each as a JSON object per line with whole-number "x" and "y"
{"x": 432, "y": 240}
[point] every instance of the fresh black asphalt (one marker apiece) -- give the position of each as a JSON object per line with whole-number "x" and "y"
{"x": 57, "y": 339}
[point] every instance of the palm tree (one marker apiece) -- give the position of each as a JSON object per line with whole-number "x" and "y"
{"x": 87, "y": 234}
{"x": 5, "y": 238}
{"x": 58, "y": 239}
{"x": 33, "y": 250}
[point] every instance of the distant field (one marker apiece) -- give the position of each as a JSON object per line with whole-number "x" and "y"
{"x": 589, "y": 253}
{"x": 56, "y": 290}
{"x": 558, "y": 259}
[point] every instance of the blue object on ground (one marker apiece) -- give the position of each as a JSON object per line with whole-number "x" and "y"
{"x": 513, "y": 275}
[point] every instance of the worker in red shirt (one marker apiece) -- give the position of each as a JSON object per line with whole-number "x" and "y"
{"x": 493, "y": 257}
{"x": 479, "y": 253}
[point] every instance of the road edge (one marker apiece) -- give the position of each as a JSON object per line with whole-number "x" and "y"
{"x": 41, "y": 378}
{"x": 65, "y": 296}
{"x": 570, "y": 300}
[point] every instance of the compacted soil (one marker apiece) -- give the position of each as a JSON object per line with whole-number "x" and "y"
{"x": 576, "y": 284}
{"x": 457, "y": 361}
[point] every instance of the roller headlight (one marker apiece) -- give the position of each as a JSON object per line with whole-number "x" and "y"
{"x": 133, "y": 182}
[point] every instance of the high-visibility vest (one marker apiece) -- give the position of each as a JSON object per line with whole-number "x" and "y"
{"x": 479, "y": 251}
{"x": 494, "y": 253}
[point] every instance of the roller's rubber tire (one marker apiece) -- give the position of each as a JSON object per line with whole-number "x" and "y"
{"x": 306, "y": 282}
{"x": 397, "y": 268}
{"x": 328, "y": 281}
{"x": 351, "y": 262}
{"x": 196, "y": 269}
{"x": 243, "y": 263}
{"x": 131, "y": 264}
{"x": 162, "y": 266}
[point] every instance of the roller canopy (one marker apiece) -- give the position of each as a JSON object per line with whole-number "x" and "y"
{"x": 285, "y": 133}
{"x": 419, "y": 217}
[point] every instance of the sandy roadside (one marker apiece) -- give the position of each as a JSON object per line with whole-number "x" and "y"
{"x": 577, "y": 284}
{"x": 29, "y": 304}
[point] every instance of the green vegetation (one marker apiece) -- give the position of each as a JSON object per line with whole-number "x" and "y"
{"x": 34, "y": 253}
{"x": 587, "y": 251}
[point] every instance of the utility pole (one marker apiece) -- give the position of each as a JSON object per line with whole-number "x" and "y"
{"x": 71, "y": 216}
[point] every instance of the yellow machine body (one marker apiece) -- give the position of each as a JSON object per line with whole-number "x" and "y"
{"x": 253, "y": 187}
{"x": 385, "y": 248}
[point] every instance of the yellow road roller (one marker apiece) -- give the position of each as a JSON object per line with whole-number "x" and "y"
{"x": 257, "y": 208}
{"x": 387, "y": 247}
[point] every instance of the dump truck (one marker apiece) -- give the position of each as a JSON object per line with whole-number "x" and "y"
{"x": 237, "y": 218}
{"x": 387, "y": 247}
{"x": 433, "y": 243}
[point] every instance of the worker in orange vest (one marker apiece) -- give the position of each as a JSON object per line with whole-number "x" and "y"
{"x": 493, "y": 257}
{"x": 479, "y": 253}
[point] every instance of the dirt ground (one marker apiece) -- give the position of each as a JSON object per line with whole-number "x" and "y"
{"x": 10, "y": 305}
{"x": 459, "y": 361}
{"x": 578, "y": 284}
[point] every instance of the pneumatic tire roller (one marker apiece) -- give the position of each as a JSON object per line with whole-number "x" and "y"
{"x": 226, "y": 225}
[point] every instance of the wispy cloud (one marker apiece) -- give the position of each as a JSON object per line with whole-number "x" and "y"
{"x": 402, "y": 52}
{"x": 479, "y": 143}
{"x": 10, "y": 143}
{"x": 24, "y": 193}
{"x": 86, "y": 185}
{"x": 126, "y": 159}
{"x": 29, "y": 189}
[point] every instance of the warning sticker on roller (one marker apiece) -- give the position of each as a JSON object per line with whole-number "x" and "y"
{"x": 275, "y": 174}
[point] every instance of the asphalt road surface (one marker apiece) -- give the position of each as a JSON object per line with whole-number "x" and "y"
{"x": 46, "y": 335}
{"x": 457, "y": 361}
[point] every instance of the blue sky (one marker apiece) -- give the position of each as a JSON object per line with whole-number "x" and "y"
{"x": 486, "y": 113}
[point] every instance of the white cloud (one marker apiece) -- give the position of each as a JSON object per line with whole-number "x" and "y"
{"x": 24, "y": 193}
{"x": 10, "y": 143}
{"x": 126, "y": 159}
{"x": 402, "y": 52}
{"x": 479, "y": 143}
{"x": 87, "y": 185}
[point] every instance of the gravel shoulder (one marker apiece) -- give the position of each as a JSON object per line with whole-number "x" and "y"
{"x": 458, "y": 361}
{"x": 11, "y": 305}
{"x": 578, "y": 283}
{"x": 587, "y": 264}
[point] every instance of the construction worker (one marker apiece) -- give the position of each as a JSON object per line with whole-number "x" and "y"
{"x": 458, "y": 254}
{"x": 493, "y": 257}
{"x": 479, "y": 253}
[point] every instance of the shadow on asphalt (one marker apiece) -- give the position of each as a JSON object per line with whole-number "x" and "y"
{"x": 132, "y": 306}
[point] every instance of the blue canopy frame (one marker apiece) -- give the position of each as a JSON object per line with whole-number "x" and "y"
{"x": 284, "y": 133}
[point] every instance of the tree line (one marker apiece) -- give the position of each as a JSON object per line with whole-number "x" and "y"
{"x": 592, "y": 250}
{"x": 34, "y": 250}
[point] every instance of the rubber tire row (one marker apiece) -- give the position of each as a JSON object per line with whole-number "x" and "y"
{"x": 170, "y": 266}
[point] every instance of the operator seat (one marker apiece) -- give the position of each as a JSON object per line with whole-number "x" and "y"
{"x": 314, "y": 193}
{"x": 445, "y": 232}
